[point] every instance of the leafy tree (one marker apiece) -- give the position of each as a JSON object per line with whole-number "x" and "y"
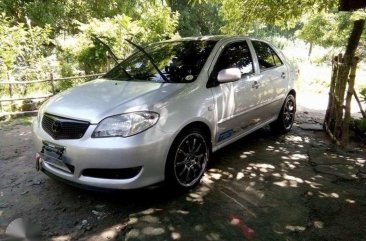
{"x": 326, "y": 29}
{"x": 156, "y": 23}
{"x": 242, "y": 15}
{"x": 64, "y": 15}
{"x": 21, "y": 49}
{"x": 197, "y": 18}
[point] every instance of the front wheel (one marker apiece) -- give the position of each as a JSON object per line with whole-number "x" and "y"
{"x": 187, "y": 160}
{"x": 286, "y": 118}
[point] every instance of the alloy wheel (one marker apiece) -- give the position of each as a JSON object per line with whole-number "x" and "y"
{"x": 190, "y": 159}
{"x": 289, "y": 113}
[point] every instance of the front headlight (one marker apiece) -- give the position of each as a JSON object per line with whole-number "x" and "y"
{"x": 40, "y": 112}
{"x": 125, "y": 125}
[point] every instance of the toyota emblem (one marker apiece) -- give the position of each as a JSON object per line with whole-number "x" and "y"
{"x": 56, "y": 126}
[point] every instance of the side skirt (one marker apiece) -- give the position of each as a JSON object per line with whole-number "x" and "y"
{"x": 217, "y": 147}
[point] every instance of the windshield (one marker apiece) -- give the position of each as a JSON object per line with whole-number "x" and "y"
{"x": 179, "y": 61}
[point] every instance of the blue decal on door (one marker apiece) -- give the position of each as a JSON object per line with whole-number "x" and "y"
{"x": 226, "y": 134}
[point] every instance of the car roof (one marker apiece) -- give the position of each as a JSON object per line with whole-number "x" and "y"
{"x": 208, "y": 37}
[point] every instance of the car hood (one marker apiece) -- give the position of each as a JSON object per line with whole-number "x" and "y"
{"x": 95, "y": 100}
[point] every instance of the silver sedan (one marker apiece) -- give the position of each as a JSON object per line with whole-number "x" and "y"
{"x": 159, "y": 114}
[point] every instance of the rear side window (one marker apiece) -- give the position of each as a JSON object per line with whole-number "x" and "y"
{"x": 235, "y": 55}
{"x": 267, "y": 57}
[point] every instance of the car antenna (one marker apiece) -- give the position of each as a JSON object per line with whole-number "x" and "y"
{"x": 149, "y": 57}
{"x": 114, "y": 57}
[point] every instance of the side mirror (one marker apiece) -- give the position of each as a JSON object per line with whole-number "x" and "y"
{"x": 229, "y": 75}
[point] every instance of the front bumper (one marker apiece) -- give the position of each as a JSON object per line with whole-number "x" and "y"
{"x": 147, "y": 150}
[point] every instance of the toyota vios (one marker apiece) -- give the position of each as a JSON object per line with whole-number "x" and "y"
{"x": 159, "y": 114}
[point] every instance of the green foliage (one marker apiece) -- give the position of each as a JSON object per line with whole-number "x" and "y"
{"x": 270, "y": 31}
{"x": 200, "y": 18}
{"x": 243, "y": 15}
{"x": 326, "y": 29}
{"x": 61, "y": 15}
{"x": 359, "y": 125}
{"x": 22, "y": 49}
{"x": 363, "y": 94}
{"x": 156, "y": 23}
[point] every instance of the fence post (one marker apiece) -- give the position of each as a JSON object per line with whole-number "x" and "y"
{"x": 12, "y": 106}
{"x": 52, "y": 83}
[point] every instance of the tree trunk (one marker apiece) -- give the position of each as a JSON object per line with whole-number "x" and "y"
{"x": 338, "y": 115}
{"x": 355, "y": 36}
{"x": 349, "y": 60}
{"x": 310, "y": 50}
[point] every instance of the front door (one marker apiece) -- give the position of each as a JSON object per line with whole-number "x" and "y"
{"x": 234, "y": 99}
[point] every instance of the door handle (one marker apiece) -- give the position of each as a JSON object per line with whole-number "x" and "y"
{"x": 255, "y": 84}
{"x": 283, "y": 75}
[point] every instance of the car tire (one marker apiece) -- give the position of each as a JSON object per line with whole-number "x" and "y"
{"x": 187, "y": 159}
{"x": 286, "y": 118}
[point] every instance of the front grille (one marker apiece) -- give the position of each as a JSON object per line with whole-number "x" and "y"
{"x": 63, "y": 128}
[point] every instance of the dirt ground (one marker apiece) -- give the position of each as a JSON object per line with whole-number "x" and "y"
{"x": 263, "y": 187}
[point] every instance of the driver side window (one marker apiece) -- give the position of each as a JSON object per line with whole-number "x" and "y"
{"x": 235, "y": 55}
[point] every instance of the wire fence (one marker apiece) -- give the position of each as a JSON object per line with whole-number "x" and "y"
{"x": 12, "y": 98}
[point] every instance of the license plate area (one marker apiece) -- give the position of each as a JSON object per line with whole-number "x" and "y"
{"x": 53, "y": 155}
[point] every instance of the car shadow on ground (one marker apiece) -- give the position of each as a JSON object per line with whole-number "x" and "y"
{"x": 296, "y": 186}
{"x": 262, "y": 187}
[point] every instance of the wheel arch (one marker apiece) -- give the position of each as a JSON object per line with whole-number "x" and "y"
{"x": 199, "y": 125}
{"x": 292, "y": 92}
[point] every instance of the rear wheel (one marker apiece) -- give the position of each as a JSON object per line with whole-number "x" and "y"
{"x": 187, "y": 159}
{"x": 286, "y": 118}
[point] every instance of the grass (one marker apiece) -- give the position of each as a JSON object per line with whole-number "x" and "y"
{"x": 11, "y": 122}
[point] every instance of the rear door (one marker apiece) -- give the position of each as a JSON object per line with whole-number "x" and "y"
{"x": 272, "y": 79}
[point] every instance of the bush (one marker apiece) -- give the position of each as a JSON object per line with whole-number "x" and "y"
{"x": 363, "y": 94}
{"x": 359, "y": 126}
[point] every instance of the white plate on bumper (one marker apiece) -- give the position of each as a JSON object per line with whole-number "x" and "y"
{"x": 52, "y": 154}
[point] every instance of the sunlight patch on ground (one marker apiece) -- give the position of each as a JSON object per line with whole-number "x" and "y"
{"x": 112, "y": 232}
{"x": 262, "y": 167}
{"x": 213, "y": 236}
{"x": 239, "y": 175}
{"x": 360, "y": 160}
{"x": 133, "y": 220}
{"x": 246, "y": 154}
{"x": 198, "y": 195}
{"x": 295, "y": 228}
{"x": 292, "y": 178}
{"x": 216, "y": 174}
{"x": 149, "y": 219}
{"x": 298, "y": 156}
{"x": 289, "y": 164}
{"x": 328, "y": 195}
{"x": 62, "y": 238}
{"x": 289, "y": 181}
{"x": 176, "y": 235}
{"x": 153, "y": 231}
{"x": 313, "y": 184}
{"x": 198, "y": 227}
{"x": 180, "y": 212}
{"x": 293, "y": 138}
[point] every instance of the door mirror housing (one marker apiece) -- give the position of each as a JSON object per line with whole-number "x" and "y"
{"x": 229, "y": 75}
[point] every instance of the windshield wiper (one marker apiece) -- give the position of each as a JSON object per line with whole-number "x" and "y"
{"x": 114, "y": 57}
{"x": 150, "y": 58}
